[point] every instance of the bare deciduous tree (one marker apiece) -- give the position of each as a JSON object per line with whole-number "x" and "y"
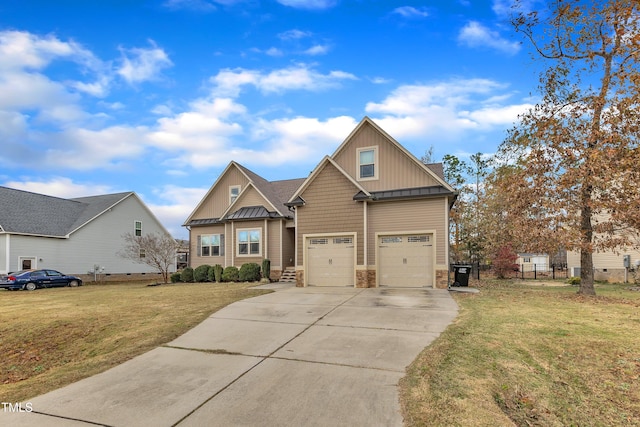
{"x": 153, "y": 249}
{"x": 576, "y": 153}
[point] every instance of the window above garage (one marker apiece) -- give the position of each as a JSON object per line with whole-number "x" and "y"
{"x": 367, "y": 158}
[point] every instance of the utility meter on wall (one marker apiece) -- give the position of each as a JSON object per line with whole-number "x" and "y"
{"x": 626, "y": 261}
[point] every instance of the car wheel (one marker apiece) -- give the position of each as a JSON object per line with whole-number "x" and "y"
{"x": 30, "y": 286}
{"x": 73, "y": 283}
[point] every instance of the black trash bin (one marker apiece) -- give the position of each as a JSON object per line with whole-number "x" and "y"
{"x": 461, "y": 273}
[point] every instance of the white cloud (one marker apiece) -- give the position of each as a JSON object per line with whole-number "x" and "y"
{"x": 173, "y": 205}
{"x": 379, "y": 80}
{"x": 444, "y": 108}
{"x": 308, "y": 4}
{"x": 229, "y": 82}
{"x": 475, "y": 35}
{"x": 195, "y": 5}
{"x": 317, "y": 50}
{"x": 60, "y": 187}
{"x": 294, "y": 34}
{"x": 23, "y": 50}
{"x": 86, "y": 149}
{"x": 411, "y": 12}
{"x": 200, "y": 134}
{"x": 274, "y": 51}
{"x": 139, "y": 64}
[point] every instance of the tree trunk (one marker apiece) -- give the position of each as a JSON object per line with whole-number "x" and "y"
{"x": 586, "y": 250}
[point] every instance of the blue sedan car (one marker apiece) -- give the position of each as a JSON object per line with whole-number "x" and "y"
{"x": 33, "y": 279}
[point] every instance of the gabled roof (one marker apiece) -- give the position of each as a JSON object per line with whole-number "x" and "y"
{"x": 434, "y": 169}
{"x": 24, "y": 212}
{"x": 276, "y": 193}
{"x": 295, "y": 199}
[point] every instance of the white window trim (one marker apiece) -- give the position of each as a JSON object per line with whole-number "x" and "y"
{"x": 135, "y": 228}
{"x": 233, "y": 187}
{"x": 376, "y": 163}
{"x": 237, "y": 243}
{"x": 220, "y": 245}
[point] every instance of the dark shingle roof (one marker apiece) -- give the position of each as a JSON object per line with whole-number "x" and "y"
{"x": 436, "y": 168}
{"x": 24, "y": 212}
{"x": 277, "y": 192}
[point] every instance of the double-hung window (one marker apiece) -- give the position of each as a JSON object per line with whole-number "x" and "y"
{"x": 234, "y": 192}
{"x": 367, "y": 163}
{"x": 137, "y": 228}
{"x": 249, "y": 242}
{"x": 212, "y": 245}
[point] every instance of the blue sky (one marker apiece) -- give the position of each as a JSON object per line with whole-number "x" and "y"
{"x": 157, "y": 96}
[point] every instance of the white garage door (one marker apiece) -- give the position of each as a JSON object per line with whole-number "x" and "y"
{"x": 405, "y": 260}
{"x": 330, "y": 261}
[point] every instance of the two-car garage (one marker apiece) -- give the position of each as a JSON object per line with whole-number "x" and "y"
{"x": 404, "y": 260}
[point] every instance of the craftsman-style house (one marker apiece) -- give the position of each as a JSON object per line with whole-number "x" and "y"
{"x": 369, "y": 215}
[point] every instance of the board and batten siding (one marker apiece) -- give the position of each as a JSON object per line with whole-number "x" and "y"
{"x": 217, "y": 201}
{"x": 396, "y": 169}
{"x": 251, "y": 197}
{"x": 330, "y": 208}
{"x": 406, "y": 216}
{"x": 97, "y": 243}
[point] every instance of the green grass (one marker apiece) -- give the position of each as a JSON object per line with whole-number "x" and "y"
{"x": 531, "y": 355}
{"x": 53, "y": 337}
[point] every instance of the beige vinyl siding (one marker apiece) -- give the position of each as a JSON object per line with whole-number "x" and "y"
{"x": 602, "y": 260}
{"x": 330, "y": 208}
{"x": 273, "y": 242}
{"x": 218, "y": 201}
{"x": 251, "y": 197}
{"x": 406, "y": 216}
{"x": 193, "y": 249}
{"x": 396, "y": 169}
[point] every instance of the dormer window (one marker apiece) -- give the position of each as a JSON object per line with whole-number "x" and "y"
{"x": 367, "y": 163}
{"x": 234, "y": 192}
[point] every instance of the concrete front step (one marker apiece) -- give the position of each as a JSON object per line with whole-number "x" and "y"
{"x": 288, "y": 276}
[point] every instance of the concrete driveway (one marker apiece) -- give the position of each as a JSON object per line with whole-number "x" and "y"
{"x": 296, "y": 357}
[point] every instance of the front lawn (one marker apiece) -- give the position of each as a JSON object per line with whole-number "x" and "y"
{"x": 53, "y": 337}
{"x": 531, "y": 355}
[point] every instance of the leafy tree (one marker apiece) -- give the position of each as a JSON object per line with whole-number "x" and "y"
{"x": 153, "y": 249}
{"x": 576, "y": 151}
{"x": 455, "y": 173}
{"x": 504, "y": 262}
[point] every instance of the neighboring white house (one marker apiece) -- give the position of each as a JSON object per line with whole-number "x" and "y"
{"x": 75, "y": 236}
{"x": 531, "y": 262}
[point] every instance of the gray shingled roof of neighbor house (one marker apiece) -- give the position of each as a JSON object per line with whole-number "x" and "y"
{"x": 24, "y": 212}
